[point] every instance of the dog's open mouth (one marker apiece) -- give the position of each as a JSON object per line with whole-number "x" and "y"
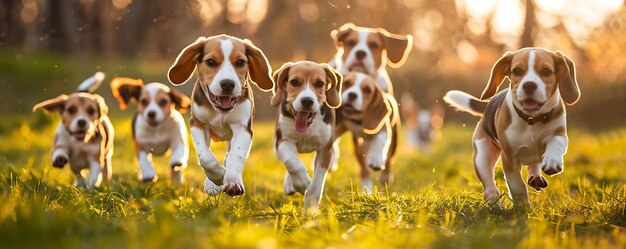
{"x": 153, "y": 123}
{"x": 349, "y": 109}
{"x": 358, "y": 66}
{"x": 303, "y": 120}
{"x": 79, "y": 135}
{"x": 224, "y": 103}
{"x": 531, "y": 105}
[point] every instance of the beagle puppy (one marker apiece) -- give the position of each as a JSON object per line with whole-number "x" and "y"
{"x": 371, "y": 114}
{"x": 369, "y": 50}
{"x": 423, "y": 124}
{"x": 223, "y": 106}
{"x": 158, "y": 126}
{"x": 524, "y": 124}
{"x": 84, "y": 137}
{"x": 307, "y": 93}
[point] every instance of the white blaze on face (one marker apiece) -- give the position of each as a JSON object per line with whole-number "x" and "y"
{"x": 307, "y": 92}
{"x": 531, "y": 75}
{"x": 360, "y": 46}
{"x": 226, "y": 71}
{"x": 153, "y": 105}
{"x": 357, "y": 104}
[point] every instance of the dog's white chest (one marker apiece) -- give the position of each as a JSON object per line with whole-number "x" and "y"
{"x": 314, "y": 138}
{"x": 156, "y": 140}
{"x": 219, "y": 123}
{"x": 527, "y": 142}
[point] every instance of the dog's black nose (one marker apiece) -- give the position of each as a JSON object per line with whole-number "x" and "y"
{"x": 529, "y": 87}
{"x": 227, "y": 86}
{"x": 151, "y": 114}
{"x": 351, "y": 96}
{"x": 307, "y": 102}
{"x": 81, "y": 123}
{"x": 360, "y": 54}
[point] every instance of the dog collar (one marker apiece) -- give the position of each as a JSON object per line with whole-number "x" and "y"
{"x": 531, "y": 120}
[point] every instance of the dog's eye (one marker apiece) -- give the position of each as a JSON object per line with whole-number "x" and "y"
{"x": 145, "y": 102}
{"x": 211, "y": 63}
{"x": 319, "y": 84}
{"x": 91, "y": 111}
{"x": 163, "y": 102}
{"x": 367, "y": 90}
{"x": 517, "y": 72}
{"x": 71, "y": 110}
{"x": 373, "y": 45}
{"x": 240, "y": 63}
{"x": 294, "y": 83}
{"x": 351, "y": 43}
{"x": 546, "y": 72}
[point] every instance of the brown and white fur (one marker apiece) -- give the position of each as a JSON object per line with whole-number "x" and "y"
{"x": 423, "y": 125}
{"x": 524, "y": 124}
{"x": 223, "y": 106}
{"x": 84, "y": 137}
{"x": 371, "y": 115}
{"x": 307, "y": 93}
{"x": 369, "y": 51}
{"x": 158, "y": 126}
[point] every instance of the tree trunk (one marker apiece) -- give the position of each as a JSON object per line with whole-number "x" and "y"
{"x": 526, "y": 40}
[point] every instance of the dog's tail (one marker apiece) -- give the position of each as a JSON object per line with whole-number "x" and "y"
{"x": 465, "y": 102}
{"x": 92, "y": 83}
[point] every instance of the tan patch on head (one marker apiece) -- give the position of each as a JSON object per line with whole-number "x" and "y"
{"x": 78, "y": 104}
{"x": 543, "y": 67}
{"x": 214, "y": 58}
{"x": 293, "y": 78}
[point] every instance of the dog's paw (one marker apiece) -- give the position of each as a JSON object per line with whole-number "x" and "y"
{"x": 552, "y": 165}
{"x": 537, "y": 182}
{"x": 59, "y": 161}
{"x": 233, "y": 184}
{"x": 211, "y": 188}
{"x": 367, "y": 187}
{"x": 377, "y": 163}
{"x": 300, "y": 181}
{"x": 288, "y": 185}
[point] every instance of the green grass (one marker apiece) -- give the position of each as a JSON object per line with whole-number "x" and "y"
{"x": 436, "y": 201}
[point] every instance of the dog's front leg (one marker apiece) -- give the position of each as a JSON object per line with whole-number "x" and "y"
{"x": 553, "y": 156}
{"x": 212, "y": 168}
{"x": 297, "y": 174}
{"x": 239, "y": 148}
{"x": 178, "y": 161}
{"x": 94, "y": 178}
{"x": 60, "y": 157}
{"x": 313, "y": 195}
{"x": 146, "y": 169}
{"x": 515, "y": 182}
{"x": 376, "y": 149}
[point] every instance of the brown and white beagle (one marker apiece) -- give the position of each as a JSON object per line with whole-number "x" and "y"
{"x": 223, "y": 106}
{"x": 524, "y": 124}
{"x": 369, "y": 50}
{"x": 423, "y": 125}
{"x": 158, "y": 126}
{"x": 372, "y": 116}
{"x": 84, "y": 137}
{"x": 307, "y": 93}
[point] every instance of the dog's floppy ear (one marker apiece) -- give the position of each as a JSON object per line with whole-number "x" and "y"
{"x": 126, "y": 90}
{"x": 397, "y": 47}
{"x": 52, "y": 105}
{"x": 180, "y": 100}
{"x": 566, "y": 78}
{"x": 280, "y": 77}
{"x": 185, "y": 63}
{"x": 260, "y": 70}
{"x": 377, "y": 113}
{"x": 499, "y": 72}
{"x": 335, "y": 81}
{"x": 340, "y": 34}
{"x": 102, "y": 106}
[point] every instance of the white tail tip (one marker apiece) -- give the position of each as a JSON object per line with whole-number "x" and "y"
{"x": 92, "y": 83}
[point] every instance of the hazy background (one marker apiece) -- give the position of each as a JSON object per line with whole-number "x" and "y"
{"x": 48, "y": 47}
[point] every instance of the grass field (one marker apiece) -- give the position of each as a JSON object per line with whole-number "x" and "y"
{"x": 435, "y": 202}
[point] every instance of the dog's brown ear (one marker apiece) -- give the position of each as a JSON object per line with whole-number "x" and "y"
{"x": 377, "y": 113}
{"x": 499, "y": 72}
{"x": 102, "y": 105}
{"x": 126, "y": 90}
{"x": 280, "y": 78}
{"x": 335, "y": 81}
{"x": 185, "y": 63}
{"x": 566, "y": 78}
{"x": 397, "y": 47}
{"x": 260, "y": 70}
{"x": 52, "y": 105}
{"x": 340, "y": 34}
{"x": 180, "y": 100}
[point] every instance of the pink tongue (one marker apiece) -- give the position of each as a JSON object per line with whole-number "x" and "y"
{"x": 530, "y": 105}
{"x": 224, "y": 101}
{"x": 301, "y": 121}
